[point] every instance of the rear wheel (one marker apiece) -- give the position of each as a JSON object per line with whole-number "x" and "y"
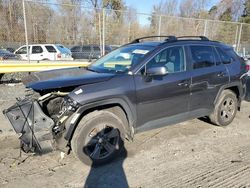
{"x": 225, "y": 109}
{"x": 97, "y": 138}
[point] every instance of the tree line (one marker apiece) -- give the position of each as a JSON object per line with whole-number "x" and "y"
{"x": 73, "y": 22}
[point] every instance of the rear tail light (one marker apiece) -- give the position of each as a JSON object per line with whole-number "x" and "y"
{"x": 59, "y": 56}
{"x": 247, "y": 67}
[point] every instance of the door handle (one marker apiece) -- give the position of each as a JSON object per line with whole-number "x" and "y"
{"x": 221, "y": 74}
{"x": 183, "y": 83}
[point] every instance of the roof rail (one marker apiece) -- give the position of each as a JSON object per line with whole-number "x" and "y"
{"x": 201, "y": 37}
{"x": 168, "y": 38}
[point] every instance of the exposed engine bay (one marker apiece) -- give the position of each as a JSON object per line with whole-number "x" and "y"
{"x": 46, "y": 117}
{"x": 39, "y": 121}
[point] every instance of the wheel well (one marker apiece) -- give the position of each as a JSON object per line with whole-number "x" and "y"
{"x": 235, "y": 89}
{"x": 118, "y": 110}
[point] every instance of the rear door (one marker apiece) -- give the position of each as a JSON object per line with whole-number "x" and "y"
{"x": 37, "y": 53}
{"x": 51, "y": 52}
{"x": 76, "y": 52}
{"x": 208, "y": 75}
{"x": 96, "y": 54}
{"x": 86, "y": 52}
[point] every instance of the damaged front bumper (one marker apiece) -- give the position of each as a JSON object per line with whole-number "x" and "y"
{"x": 37, "y": 131}
{"x": 32, "y": 125}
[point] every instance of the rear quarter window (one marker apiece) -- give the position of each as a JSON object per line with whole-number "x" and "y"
{"x": 50, "y": 49}
{"x": 225, "y": 57}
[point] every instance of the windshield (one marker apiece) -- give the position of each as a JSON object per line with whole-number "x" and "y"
{"x": 121, "y": 60}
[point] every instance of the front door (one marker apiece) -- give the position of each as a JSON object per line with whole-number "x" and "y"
{"x": 22, "y": 52}
{"x": 161, "y": 97}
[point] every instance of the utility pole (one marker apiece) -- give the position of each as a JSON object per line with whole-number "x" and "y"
{"x": 240, "y": 32}
{"x": 26, "y": 31}
{"x": 103, "y": 31}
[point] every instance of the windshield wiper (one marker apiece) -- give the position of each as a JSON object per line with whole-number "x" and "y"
{"x": 119, "y": 71}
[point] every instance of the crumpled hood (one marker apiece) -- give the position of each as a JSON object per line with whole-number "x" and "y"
{"x": 61, "y": 78}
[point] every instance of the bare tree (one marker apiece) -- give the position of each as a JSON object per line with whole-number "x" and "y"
{"x": 196, "y": 9}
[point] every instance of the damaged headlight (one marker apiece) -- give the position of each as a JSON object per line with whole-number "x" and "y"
{"x": 69, "y": 106}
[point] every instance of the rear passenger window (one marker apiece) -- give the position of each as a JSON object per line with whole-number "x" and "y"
{"x": 50, "y": 49}
{"x": 203, "y": 56}
{"x": 86, "y": 48}
{"x": 223, "y": 56}
{"x": 37, "y": 50}
{"x": 96, "y": 48}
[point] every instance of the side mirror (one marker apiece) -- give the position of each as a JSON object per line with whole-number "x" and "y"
{"x": 156, "y": 71}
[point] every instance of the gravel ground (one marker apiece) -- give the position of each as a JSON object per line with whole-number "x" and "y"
{"x": 189, "y": 154}
{"x": 13, "y": 77}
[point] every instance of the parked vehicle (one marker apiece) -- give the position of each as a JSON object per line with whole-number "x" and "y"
{"x": 45, "y": 52}
{"x": 12, "y": 50}
{"x": 138, "y": 87}
{"x": 88, "y": 51}
{"x": 114, "y": 47}
{"x": 246, "y": 59}
{"x": 4, "y": 54}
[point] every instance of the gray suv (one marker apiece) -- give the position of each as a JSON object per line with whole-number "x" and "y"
{"x": 88, "y": 51}
{"x": 140, "y": 86}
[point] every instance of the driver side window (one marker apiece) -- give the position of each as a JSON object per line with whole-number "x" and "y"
{"x": 23, "y": 50}
{"x": 172, "y": 58}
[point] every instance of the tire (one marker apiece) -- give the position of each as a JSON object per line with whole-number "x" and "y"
{"x": 97, "y": 139}
{"x": 1, "y": 75}
{"x": 225, "y": 109}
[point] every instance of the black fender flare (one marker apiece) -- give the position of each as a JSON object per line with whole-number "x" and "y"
{"x": 228, "y": 86}
{"x": 130, "y": 111}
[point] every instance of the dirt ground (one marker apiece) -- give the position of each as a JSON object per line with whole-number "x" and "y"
{"x": 189, "y": 154}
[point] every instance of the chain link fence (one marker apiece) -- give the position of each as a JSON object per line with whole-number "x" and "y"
{"x": 72, "y": 25}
